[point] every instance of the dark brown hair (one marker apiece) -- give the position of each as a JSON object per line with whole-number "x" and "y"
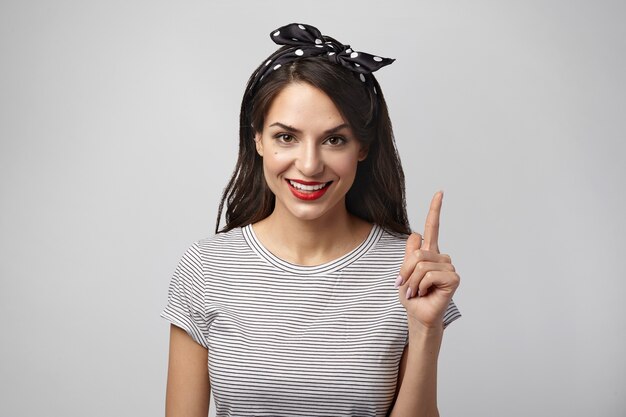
{"x": 377, "y": 194}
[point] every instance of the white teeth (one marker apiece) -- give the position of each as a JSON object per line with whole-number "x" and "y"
{"x": 307, "y": 187}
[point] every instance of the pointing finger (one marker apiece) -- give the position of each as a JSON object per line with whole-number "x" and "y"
{"x": 431, "y": 230}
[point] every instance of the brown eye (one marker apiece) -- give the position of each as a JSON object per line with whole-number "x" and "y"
{"x": 335, "y": 140}
{"x": 284, "y": 138}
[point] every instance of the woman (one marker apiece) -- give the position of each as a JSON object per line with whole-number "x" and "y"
{"x": 311, "y": 300}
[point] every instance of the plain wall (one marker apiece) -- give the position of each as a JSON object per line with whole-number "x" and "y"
{"x": 118, "y": 130}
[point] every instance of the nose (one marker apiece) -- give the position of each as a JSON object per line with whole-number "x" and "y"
{"x": 309, "y": 161}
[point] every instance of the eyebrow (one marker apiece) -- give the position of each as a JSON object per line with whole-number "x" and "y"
{"x": 294, "y": 130}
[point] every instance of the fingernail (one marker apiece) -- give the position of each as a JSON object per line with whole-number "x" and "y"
{"x": 398, "y": 281}
{"x": 408, "y": 293}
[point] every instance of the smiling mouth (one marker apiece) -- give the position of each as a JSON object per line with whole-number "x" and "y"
{"x": 307, "y": 190}
{"x": 307, "y": 185}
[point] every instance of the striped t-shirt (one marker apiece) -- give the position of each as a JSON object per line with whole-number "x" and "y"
{"x": 292, "y": 340}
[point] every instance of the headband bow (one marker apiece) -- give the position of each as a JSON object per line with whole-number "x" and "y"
{"x": 307, "y": 41}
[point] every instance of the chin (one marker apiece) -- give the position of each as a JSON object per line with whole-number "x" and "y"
{"x": 307, "y": 215}
{"x": 311, "y": 212}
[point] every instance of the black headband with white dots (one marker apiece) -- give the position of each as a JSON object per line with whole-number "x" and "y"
{"x": 304, "y": 41}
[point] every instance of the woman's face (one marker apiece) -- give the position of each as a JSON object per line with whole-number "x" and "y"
{"x": 310, "y": 153}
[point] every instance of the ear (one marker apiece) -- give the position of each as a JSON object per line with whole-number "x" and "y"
{"x": 363, "y": 152}
{"x": 258, "y": 143}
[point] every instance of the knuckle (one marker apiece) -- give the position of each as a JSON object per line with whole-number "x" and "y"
{"x": 446, "y": 258}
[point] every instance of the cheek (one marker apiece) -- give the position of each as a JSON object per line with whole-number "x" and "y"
{"x": 276, "y": 161}
{"x": 344, "y": 165}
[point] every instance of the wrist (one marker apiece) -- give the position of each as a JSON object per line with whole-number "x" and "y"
{"x": 425, "y": 341}
{"x": 419, "y": 329}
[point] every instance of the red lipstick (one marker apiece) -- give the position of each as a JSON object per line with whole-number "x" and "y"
{"x": 308, "y": 194}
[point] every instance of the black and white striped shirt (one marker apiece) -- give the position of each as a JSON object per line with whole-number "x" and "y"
{"x": 292, "y": 340}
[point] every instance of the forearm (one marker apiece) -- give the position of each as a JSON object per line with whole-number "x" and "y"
{"x": 188, "y": 385}
{"x": 417, "y": 396}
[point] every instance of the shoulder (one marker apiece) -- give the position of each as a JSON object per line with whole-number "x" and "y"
{"x": 233, "y": 237}
{"x": 231, "y": 249}
{"x": 387, "y": 248}
{"x": 390, "y": 242}
{"x": 221, "y": 245}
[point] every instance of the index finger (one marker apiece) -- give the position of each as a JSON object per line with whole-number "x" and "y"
{"x": 431, "y": 229}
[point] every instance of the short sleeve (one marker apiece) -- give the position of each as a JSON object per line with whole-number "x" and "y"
{"x": 185, "y": 304}
{"x": 452, "y": 313}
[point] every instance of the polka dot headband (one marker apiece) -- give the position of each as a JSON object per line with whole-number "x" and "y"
{"x": 305, "y": 41}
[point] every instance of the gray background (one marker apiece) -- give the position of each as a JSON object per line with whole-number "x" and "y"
{"x": 119, "y": 129}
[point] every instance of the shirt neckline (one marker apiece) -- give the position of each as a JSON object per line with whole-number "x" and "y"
{"x": 343, "y": 261}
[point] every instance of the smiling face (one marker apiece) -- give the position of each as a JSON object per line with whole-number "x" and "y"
{"x": 310, "y": 154}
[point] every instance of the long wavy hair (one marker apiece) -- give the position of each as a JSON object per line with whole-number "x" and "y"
{"x": 377, "y": 194}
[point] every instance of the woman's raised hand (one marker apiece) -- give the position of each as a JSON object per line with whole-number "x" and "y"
{"x": 427, "y": 278}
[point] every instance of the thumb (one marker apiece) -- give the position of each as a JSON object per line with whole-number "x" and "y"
{"x": 413, "y": 243}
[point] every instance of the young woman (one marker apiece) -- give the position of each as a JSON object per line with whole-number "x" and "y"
{"x": 314, "y": 298}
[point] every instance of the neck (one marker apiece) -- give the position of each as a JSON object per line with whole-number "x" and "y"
{"x": 311, "y": 242}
